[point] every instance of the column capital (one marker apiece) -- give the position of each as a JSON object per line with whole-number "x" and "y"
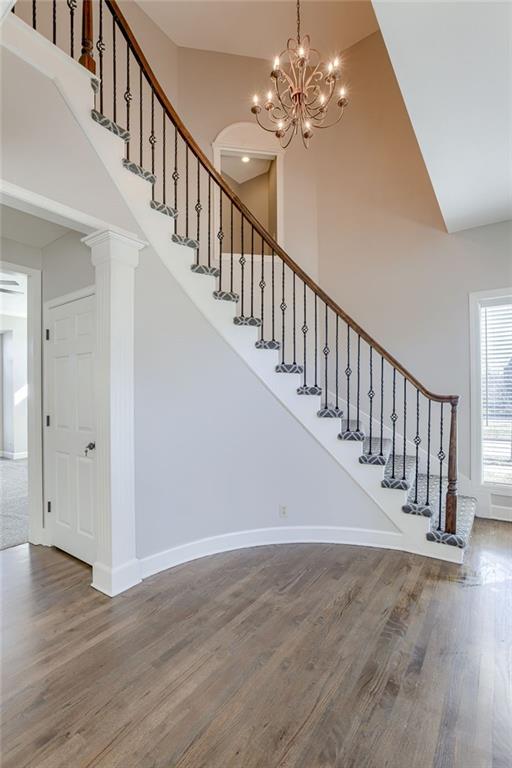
{"x": 108, "y": 245}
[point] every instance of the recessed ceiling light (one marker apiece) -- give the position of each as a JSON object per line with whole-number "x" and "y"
{"x": 245, "y": 159}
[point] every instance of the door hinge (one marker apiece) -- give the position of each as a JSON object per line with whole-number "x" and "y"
{"x": 47, "y": 334}
{"x": 47, "y": 421}
{"x": 49, "y": 506}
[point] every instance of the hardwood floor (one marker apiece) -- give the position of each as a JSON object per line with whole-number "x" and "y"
{"x": 296, "y": 656}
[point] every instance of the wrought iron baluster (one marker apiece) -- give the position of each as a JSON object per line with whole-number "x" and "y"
{"x": 304, "y": 334}
{"x": 441, "y": 457}
{"x": 164, "y": 156}
{"x": 252, "y": 270}
{"x": 262, "y": 289}
{"x": 348, "y": 374}
{"x": 316, "y": 340}
{"x": 152, "y": 141}
{"x": 114, "y": 71}
{"x": 283, "y": 311}
{"x": 220, "y": 237}
{"x": 175, "y": 178}
{"x": 273, "y": 298}
{"x": 231, "y": 288}
{"x": 326, "y": 352}
{"x": 358, "y": 384}
{"x": 199, "y": 208}
{"x": 393, "y": 420}
{"x": 141, "y": 119}
{"x": 242, "y": 265}
{"x": 381, "y": 451}
{"x": 54, "y": 21}
{"x": 34, "y": 14}
{"x": 294, "y": 319}
{"x": 429, "y": 421}
{"x": 371, "y": 395}
{"x": 405, "y": 430}
{"x": 417, "y": 441}
{"x": 186, "y": 189}
{"x": 127, "y": 99}
{"x": 337, "y": 394}
{"x": 209, "y": 220}
{"x": 100, "y": 47}
{"x": 72, "y": 7}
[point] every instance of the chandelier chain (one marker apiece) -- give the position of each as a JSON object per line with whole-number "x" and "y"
{"x": 298, "y": 22}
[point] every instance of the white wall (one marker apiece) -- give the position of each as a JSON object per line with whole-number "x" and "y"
{"x": 66, "y": 266}
{"x": 215, "y": 452}
{"x": 14, "y": 347}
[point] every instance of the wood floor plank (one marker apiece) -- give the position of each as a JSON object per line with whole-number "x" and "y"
{"x": 294, "y": 656}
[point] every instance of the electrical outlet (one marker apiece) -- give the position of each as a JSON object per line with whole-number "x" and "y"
{"x": 283, "y": 510}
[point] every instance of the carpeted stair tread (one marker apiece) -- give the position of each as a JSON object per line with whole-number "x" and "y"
{"x": 466, "y": 510}
{"x": 309, "y": 389}
{"x": 204, "y": 269}
{"x": 351, "y": 430}
{"x": 399, "y": 480}
{"x": 226, "y": 296}
{"x": 330, "y": 411}
{"x": 267, "y": 344}
{"x": 289, "y": 368}
{"x": 114, "y": 128}
{"x": 416, "y": 504}
{"x": 375, "y": 457}
{"x": 184, "y": 240}
{"x": 163, "y": 208}
{"x": 255, "y": 322}
{"x": 139, "y": 171}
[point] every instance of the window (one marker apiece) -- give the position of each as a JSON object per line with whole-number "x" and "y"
{"x": 494, "y": 387}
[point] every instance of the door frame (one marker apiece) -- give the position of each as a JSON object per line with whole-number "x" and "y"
{"x": 37, "y": 534}
{"x": 58, "y": 301}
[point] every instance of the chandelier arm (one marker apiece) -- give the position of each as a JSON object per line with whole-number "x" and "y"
{"x": 280, "y": 96}
{"x": 269, "y": 130}
{"x": 330, "y": 125}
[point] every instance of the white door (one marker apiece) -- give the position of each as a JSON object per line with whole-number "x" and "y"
{"x": 69, "y": 430}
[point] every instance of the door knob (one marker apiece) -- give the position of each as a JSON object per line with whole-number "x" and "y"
{"x": 89, "y": 447}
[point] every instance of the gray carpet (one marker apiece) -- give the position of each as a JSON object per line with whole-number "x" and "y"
{"x": 14, "y": 503}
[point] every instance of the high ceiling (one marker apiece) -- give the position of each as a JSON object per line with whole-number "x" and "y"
{"x": 261, "y": 29}
{"x": 453, "y": 62}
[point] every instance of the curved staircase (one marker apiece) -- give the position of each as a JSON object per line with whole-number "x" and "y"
{"x": 394, "y": 437}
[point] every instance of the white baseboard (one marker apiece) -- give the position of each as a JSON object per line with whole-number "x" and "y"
{"x": 226, "y": 542}
{"x": 496, "y": 512}
{"x": 13, "y": 456}
{"x": 113, "y": 581}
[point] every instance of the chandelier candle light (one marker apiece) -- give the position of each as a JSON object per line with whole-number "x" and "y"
{"x": 303, "y": 90}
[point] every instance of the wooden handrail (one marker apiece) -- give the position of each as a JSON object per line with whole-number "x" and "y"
{"x": 267, "y": 237}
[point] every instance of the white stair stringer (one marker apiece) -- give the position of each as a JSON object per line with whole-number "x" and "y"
{"x": 74, "y": 85}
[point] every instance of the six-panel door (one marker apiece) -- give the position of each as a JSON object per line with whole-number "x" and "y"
{"x": 69, "y": 455}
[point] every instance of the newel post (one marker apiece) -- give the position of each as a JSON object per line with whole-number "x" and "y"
{"x": 451, "y": 494}
{"x": 87, "y": 59}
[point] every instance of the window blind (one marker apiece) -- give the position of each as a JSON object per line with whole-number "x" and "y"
{"x": 496, "y": 389}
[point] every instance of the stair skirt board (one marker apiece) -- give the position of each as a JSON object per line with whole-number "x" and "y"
{"x": 138, "y": 171}
{"x": 262, "y": 537}
{"x": 163, "y": 208}
{"x": 114, "y": 128}
{"x": 329, "y": 412}
{"x": 243, "y": 320}
{"x": 270, "y": 344}
{"x": 184, "y": 240}
{"x": 313, "y": 389}
{"x": 289, "y": 368}
{"x": 204, "y": 269}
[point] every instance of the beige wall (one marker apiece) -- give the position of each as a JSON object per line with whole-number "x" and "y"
{"x": 360, "y": 213}
{"x": 384, "y": 253}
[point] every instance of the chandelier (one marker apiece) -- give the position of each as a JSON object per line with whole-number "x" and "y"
{"x": 303, "y": 90}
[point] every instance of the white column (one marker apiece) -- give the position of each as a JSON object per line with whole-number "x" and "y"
{"x": 115, "y": 258}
